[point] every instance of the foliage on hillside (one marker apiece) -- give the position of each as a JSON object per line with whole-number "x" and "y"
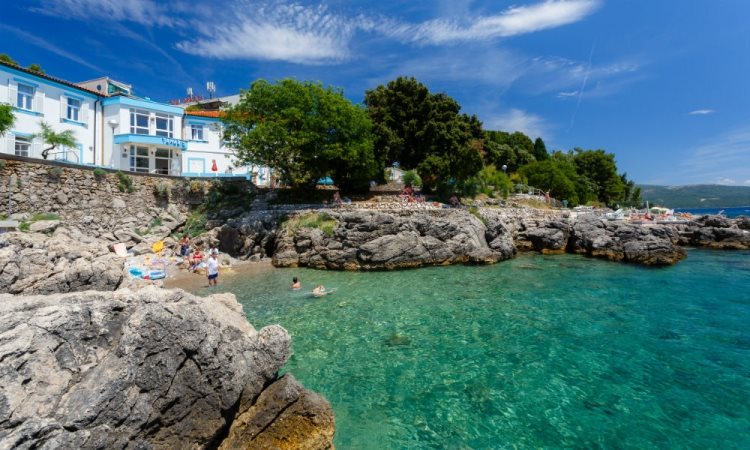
{"x": 305, "y": 131}
{"x": 697, "y": 196}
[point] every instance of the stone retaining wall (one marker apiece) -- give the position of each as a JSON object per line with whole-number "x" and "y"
{"x": 95, "y": 204}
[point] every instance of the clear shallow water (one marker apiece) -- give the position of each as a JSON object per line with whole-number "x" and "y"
{"x": 556, "y": 351}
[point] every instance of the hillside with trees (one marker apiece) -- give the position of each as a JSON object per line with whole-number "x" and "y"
{"x": 697, "y": 196}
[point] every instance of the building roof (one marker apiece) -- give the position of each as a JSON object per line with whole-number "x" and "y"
{"x": 47, "y": 77}
{"x": 199, "y": 113}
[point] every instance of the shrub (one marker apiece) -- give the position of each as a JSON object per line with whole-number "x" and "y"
{"x": 196, "y": 187}
{"x": 24, "y": 226}
{"x": 196, "y": 223}
{"x": 100, "y": 173}
{"x": 155, "y": 222}
{"x": 124, "y": 182}
{"x": 162, "y": 190}
{"x": 411, "y": 177}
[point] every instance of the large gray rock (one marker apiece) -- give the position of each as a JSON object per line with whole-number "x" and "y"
{"x": 651, "y": 245}
{"x": 373, "y": 240}
{"x": 717, "y": 232}
{"x": 146, "y": 369}
{"x": 34, "y": 263}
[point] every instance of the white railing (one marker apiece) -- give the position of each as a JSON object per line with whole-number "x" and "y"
{"x": 62, "y": 155}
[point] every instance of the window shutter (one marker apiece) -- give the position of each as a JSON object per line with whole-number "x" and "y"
{"x": 36, "y": 148}
{"x": 83, "y": 114}
{"x": 9, "y": 143}
{"x": 12, "y": 93}
{"x": 63, "y": 108}
{"x": 39, "y": 102}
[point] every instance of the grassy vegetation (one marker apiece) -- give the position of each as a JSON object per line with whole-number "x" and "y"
{"x": 196, "y": 223}
{"x": 124, "y": 182}
{"x": 100, "y": 174}
{"x": 36, "y": 217}
{"x": 162, "y": 190}
{"x": 321, "y": 221}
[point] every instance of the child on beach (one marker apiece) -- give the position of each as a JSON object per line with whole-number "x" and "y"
{"x": 212, "y": 269}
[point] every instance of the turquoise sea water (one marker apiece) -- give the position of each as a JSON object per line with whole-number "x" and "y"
{"x": 537, "y": 352}
{"x": 729, "y": 212}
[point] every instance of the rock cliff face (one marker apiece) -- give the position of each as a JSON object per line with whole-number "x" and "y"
{"x": 148, "y": 369}
{"x": 68, "y": 261}
{"x": 371, "y": 240}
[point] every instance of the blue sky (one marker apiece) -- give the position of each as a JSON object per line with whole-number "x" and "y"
{"x": 662, "y": 84}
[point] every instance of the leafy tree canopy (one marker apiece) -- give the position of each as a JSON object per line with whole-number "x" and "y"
{"x": 508, "y": 149}
{"x": 36, "y": 68}
{"x": 304, "y": 131}
{"x": 422, "y": 130}
{"x": 6, "y": 118}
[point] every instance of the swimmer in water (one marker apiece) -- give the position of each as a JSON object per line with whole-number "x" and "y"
{"x": 319, "y": 291}
{"x": 296, "y": 284}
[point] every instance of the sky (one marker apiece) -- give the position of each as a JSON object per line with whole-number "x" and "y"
{"x": 662, "y": 84}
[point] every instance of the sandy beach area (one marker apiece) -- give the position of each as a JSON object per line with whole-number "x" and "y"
{"x": 193, "y": 282}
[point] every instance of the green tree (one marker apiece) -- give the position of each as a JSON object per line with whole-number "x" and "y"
{"x": 6, "y": 118}
{"x": 540, "y": 150}
{"x": 304, "y": 131}
{"x": 548, "y": 176}
{"x": 53, "y": 139}
{"x": 4, "y": 57}
{"x": 425, "y": 131}
{"x": 600, "y": 167}
{"x": 506, "y": 149}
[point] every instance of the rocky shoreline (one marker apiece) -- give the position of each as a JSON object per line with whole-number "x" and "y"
{"x": 153, "y": 368}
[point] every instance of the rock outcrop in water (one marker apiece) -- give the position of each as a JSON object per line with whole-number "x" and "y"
{"x": 373, "y": 240}
{"x": 717, "y": 232}
{"x": 148, "y": 369}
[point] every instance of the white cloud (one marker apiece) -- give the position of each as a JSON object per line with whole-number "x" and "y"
{"x": 724, "y": 180}
{"x": 747, "y": 182}
{"x": 701, "y": 112}
{"x": 511, "y": 22}
{"x": 145, "y": 12}
{"x": 292, "y": 33}
{"x": 567, "y": 94}
{"x": 518, "y": 120}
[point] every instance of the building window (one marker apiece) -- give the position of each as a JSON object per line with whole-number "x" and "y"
{"x": 164, "y": 126}
{"x": 197, "y": 132}
{"x": 138, "y": 122}
{"x": 166, "y": 161}
{"x": 25, "y": 98}
{"x": 23, "y": 146}
{"x": 74, "y": 109}
{"x": 138, "y": 159}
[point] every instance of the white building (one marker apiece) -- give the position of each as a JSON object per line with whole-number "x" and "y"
{"x": 115, "y": 129}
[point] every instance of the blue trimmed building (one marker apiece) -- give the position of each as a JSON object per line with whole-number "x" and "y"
{"x": 115, "y": 129}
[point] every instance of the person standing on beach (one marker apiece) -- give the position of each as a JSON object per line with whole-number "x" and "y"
{"x": 184, "y": 245}
{"x": 212, "y": 269}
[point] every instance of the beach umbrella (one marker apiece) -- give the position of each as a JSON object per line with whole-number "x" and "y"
{"x": 215, "y": 168}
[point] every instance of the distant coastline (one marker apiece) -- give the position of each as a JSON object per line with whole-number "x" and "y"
{"x": 701, "y": 196}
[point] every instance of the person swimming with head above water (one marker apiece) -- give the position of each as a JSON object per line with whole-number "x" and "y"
{"x": 296, "y": 284}
{"x": 321, "y": 290}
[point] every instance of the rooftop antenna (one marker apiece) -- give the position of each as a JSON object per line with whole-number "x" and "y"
{"x": 211, "y": 88}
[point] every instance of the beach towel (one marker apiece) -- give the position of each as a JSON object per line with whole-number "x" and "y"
{"x": 120, "y": 250}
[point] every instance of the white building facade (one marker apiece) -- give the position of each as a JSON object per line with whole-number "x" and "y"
{"x": 115, "y": 129}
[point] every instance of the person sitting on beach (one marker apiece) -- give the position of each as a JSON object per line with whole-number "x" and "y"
{"x": 184, "y": 245}
{"x": 319, "y": 291}
{"x": 296, "y": 284}
{"x": 337, "y": 198}
{"x": 197, "y": 260}
{"x": 454, "y": 202}
{"x": 408, "y": 193}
